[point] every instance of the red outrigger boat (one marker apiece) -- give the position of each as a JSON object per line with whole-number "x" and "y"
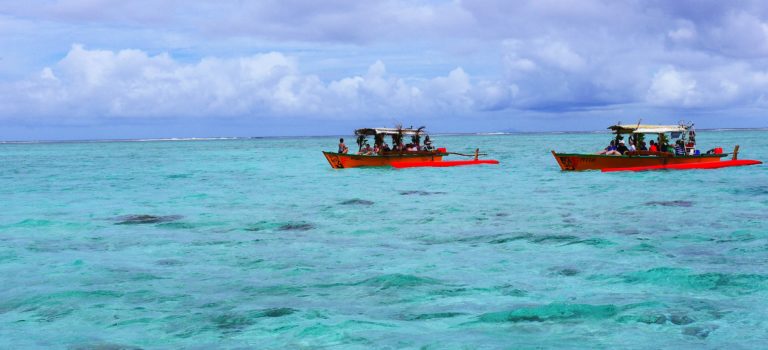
{"x": 645, "y": 159}
{"x": 420, "y": 155}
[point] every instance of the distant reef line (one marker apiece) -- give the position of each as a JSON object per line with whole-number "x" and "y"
{"x": 224, "y": 138}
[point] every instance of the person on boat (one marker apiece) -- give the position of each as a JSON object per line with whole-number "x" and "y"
{"x": 643, "y": 147}
{"x": 653, "y": 147}
{"x": 366, "y": 150}
{"x": 621, "y": 149}
{"x": 679, "y": 148}
{"x": 663, "y": 147}
{"x": 411, "y": 148}
{"x": 632, "y": 147}
{"x": 611, "y": 147}
{"x": 385, "y": 148}
{"x": 343, "y": 149}
{"x": 376, "y": 149}
{"x": 427, "y": 143}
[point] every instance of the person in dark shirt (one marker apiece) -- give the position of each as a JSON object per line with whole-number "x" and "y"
{"x": 663, "y": 146}
{"x": 643, "y": 146}
{"x": 622, "y": 148}
{"x": 427, "y": 144}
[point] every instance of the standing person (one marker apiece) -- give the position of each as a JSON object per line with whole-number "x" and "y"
{"x": 342, "y": 147}
{"x": 679, "y": 148}
{"x": 427, "y": 143}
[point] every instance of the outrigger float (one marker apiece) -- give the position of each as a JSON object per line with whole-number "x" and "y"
{"x": 415, "y": 154}
{"x": 641, "y": 160}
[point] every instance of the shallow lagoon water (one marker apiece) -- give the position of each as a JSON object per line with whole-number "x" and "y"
{"x": 260, "y": 244}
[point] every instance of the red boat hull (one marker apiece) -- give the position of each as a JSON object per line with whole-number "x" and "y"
{"x": 579, "y": 162}
{"x": 445, "y": 163}
{"x": 341, "y": 160}
{"x": 709, "y": 165}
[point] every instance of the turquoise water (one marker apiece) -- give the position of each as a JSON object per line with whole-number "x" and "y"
{"x": 260, "y": 244}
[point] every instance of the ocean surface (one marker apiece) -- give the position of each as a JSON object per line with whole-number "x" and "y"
{"x": 258, "y": 243}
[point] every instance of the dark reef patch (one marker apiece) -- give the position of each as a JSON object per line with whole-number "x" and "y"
{"x": 232, "y": 321}
{"x": 738, "y": 284}
{"x": 525, "y": 236}
{"x": 432, "y": 316}
{"x": 681, "y": 320}
{"x": 419, "y": 193}
{"x": 169, "y": 262}
{"x": 568, "y": 272}
{"x": 699, "y": 332}
{"x": 296, "y": 226}
{"x": 238, "y": 321}
{"x": 552, "y": 312}
{"x": 677, "y": 203}
{"x": 554, "y": 239}
{"x": 276, "y": 312}
{"x": 356, "y": 201}
{"x": 279, "y": 226}
{"x": 140, "y": 219}
{"x": 595, "y": 242}
{"x": 397, "y": 280}
{"x": 104, "y": 346}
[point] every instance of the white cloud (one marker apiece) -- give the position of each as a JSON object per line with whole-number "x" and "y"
{"x": 670, "y": 87}
{"x": 559, "y": 55}
{"x": 132, "y": 83}
{"x": 441, "y": 56}
{"x": 685, "y": 32}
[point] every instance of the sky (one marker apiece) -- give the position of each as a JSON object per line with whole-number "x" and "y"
{"x": 108, "y": 69}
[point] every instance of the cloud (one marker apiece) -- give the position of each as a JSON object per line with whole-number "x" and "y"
{"x": 672, "y": 87}
{"x": 299, "y": 59}
{"x": 133, "y": 84}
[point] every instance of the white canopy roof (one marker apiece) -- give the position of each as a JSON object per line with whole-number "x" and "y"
{"x": 647, "y": 129}
{"x": 387, "y": 131}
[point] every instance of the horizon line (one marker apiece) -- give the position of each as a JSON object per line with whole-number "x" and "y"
{"x": 224, "y": 138}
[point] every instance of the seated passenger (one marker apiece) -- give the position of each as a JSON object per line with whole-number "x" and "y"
{"x": 653, "y": 147}
{"x": 632, "y": 147}
{"x": 376, "y": 149}
{"x": 411, "y": 148}
{"x": 366, "y": 150}
{"x": 620, "y": 150}
{"x": 342, "y": 147}
{"x": 611, "y": 147}
{"x": 385, "y": 148}
{"x": 643, "y": 147}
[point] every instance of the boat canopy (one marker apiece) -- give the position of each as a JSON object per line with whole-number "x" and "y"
{"x": 388, "y": 131}
{"x": 647, "y": 129}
